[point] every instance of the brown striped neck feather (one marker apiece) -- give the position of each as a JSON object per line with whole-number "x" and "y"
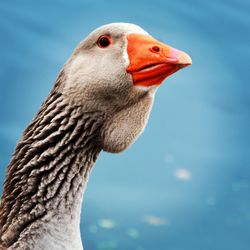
{"x": 48, "y": 171}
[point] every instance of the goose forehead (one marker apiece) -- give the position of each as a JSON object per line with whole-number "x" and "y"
{"x": 119, "y": 28}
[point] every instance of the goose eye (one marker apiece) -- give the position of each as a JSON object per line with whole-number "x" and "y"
{"x": 104, "y": 41}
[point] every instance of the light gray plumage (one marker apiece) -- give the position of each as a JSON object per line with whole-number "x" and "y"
{"x": 101, "y": 101}
{"x": 92, "y": 107}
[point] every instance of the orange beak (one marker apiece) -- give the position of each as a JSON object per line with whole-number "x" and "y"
{"x": 152, "y": 61}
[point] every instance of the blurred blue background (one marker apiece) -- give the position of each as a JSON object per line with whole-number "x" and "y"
{"x": 185, "y": 184}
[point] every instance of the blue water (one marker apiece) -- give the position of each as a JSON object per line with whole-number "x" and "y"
{"x": 185, "y": 184}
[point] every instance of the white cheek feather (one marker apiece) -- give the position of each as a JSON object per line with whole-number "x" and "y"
{"x": 125, "y": 53}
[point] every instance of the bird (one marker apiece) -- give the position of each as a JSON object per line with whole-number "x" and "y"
{"x": 101, "y": 101}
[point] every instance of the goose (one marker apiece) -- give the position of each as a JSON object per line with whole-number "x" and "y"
{"x": 101, "y": 101}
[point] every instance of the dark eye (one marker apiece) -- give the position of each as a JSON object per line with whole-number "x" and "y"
{"x": 104, "y": 41}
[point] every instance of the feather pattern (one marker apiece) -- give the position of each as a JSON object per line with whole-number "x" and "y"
{"x": 49, "y": 167}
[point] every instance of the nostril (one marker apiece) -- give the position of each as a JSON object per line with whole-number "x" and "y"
{"x": 156, "y": 48}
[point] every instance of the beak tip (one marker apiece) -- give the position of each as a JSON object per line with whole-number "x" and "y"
{"x": 185, "y": 59}
{"x": 189, "y": 61}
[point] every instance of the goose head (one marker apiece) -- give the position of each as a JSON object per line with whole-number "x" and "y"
{"x": 117, "y": 70}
